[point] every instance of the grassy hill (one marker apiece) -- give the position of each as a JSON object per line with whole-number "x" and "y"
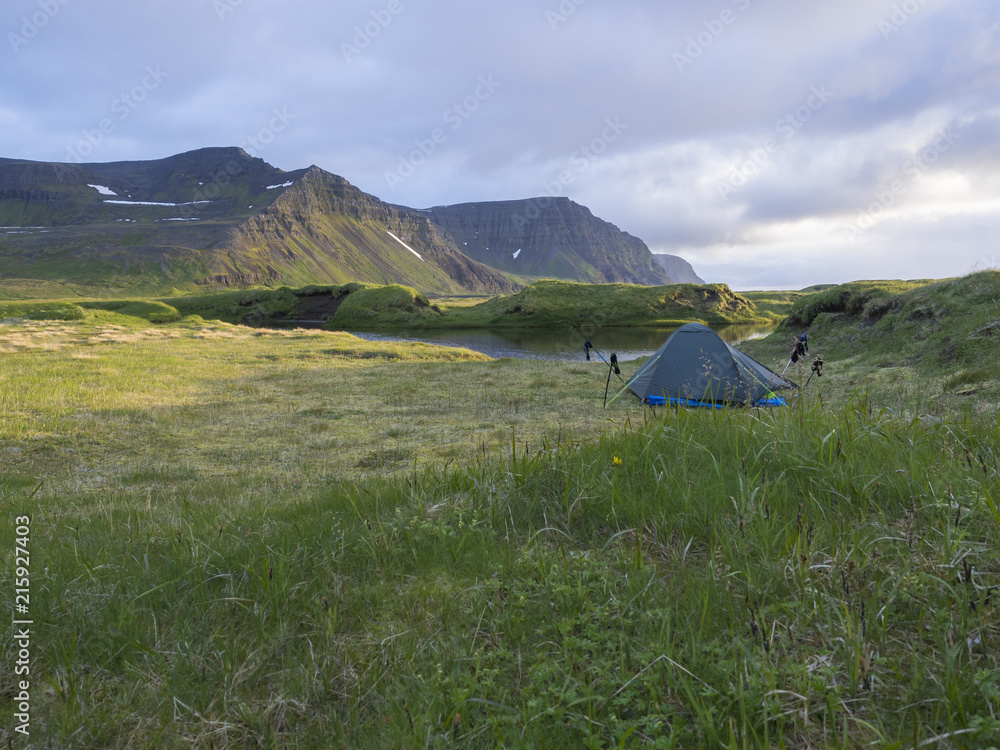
{"x": 539, "y": 305}
{"x": 546, "y": 304}
{"x": 369, "y": 307}
{"x": 915, "y": 339}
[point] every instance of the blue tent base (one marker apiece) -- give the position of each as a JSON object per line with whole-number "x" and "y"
{"x": 695, "y": 404}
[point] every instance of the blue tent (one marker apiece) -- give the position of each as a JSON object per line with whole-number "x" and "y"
{"x": 695, "y": 367}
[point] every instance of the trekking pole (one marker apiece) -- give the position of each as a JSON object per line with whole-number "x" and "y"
{"x": 613, "y": 364}
{"x": 799, "y": 350}
{"x": 817, "y": 370}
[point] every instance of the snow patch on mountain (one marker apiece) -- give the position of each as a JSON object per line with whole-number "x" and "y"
{"x": 153, "y": 203}
{"x": 404, "y": 244}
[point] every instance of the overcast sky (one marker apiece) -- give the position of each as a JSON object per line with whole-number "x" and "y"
{"x": 771, "y": 143}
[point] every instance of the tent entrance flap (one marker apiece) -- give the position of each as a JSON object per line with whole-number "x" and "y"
{"x": 695, "y": 364}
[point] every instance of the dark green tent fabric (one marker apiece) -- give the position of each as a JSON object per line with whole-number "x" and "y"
{"x": 695, "y": 363}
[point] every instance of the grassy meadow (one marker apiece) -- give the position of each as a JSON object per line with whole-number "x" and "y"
{"x": 106, "y": 401}
{"x": 294, "y": 539}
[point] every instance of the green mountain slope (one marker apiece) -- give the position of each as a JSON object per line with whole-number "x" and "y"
{"x": 324, "y": 228}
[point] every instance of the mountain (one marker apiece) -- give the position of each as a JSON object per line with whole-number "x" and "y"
{"x": 678, "y": 269}
{"x": 218, "y": 217}
{"x": 215, "y": 217}
{"x": 548, "y": 237}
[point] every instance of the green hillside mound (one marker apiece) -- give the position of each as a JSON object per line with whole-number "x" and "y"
{"x": 40, "y": 311}
{"x": 774, "y": 303}
{"x": 388, "y": 306}
{"x": 864, "y": 298}
{"x": 930, "y": 324}
{"x": 917, "y": 339}
{"x": 153, "y": 311}
{"x": 354, "y": 305}
{"x": 564, "y": 303}
{"x": 540, "y": 305}
{"x": 149, "y": 310}
{"x": 310, "y": 305}
{"x": 546, "y": 304}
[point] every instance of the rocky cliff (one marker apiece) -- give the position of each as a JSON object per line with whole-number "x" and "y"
{"x": 678, "y": 269}
{"x": 548, "y": 237}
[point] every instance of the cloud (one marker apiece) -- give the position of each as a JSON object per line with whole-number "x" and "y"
{"x": 708, "y": 94}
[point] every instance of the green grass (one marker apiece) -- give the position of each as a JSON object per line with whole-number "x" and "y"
{"x": 777, "y": 304}
{"x": 247, "y": 538}
{"x": 152, "y": 311}
{"x": 110, "y": 396}
{"x": 149, "y": 311}
{"x": 872, "y": 298}
{"x": 54, "y": 310}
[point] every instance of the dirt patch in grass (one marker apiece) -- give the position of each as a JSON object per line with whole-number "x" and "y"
{"x": 379, "y": 459}
{"x": 310, "y": 309}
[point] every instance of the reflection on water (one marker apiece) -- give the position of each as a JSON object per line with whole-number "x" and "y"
{"x": 563, "y": 344}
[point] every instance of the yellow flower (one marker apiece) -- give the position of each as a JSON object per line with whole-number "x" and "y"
{"x": 616, "y": 461}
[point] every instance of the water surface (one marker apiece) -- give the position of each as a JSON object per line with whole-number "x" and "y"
{"x": 561, "y": 344}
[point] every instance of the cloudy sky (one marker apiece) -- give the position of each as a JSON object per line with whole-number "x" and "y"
{"x": 771, "y": 143}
